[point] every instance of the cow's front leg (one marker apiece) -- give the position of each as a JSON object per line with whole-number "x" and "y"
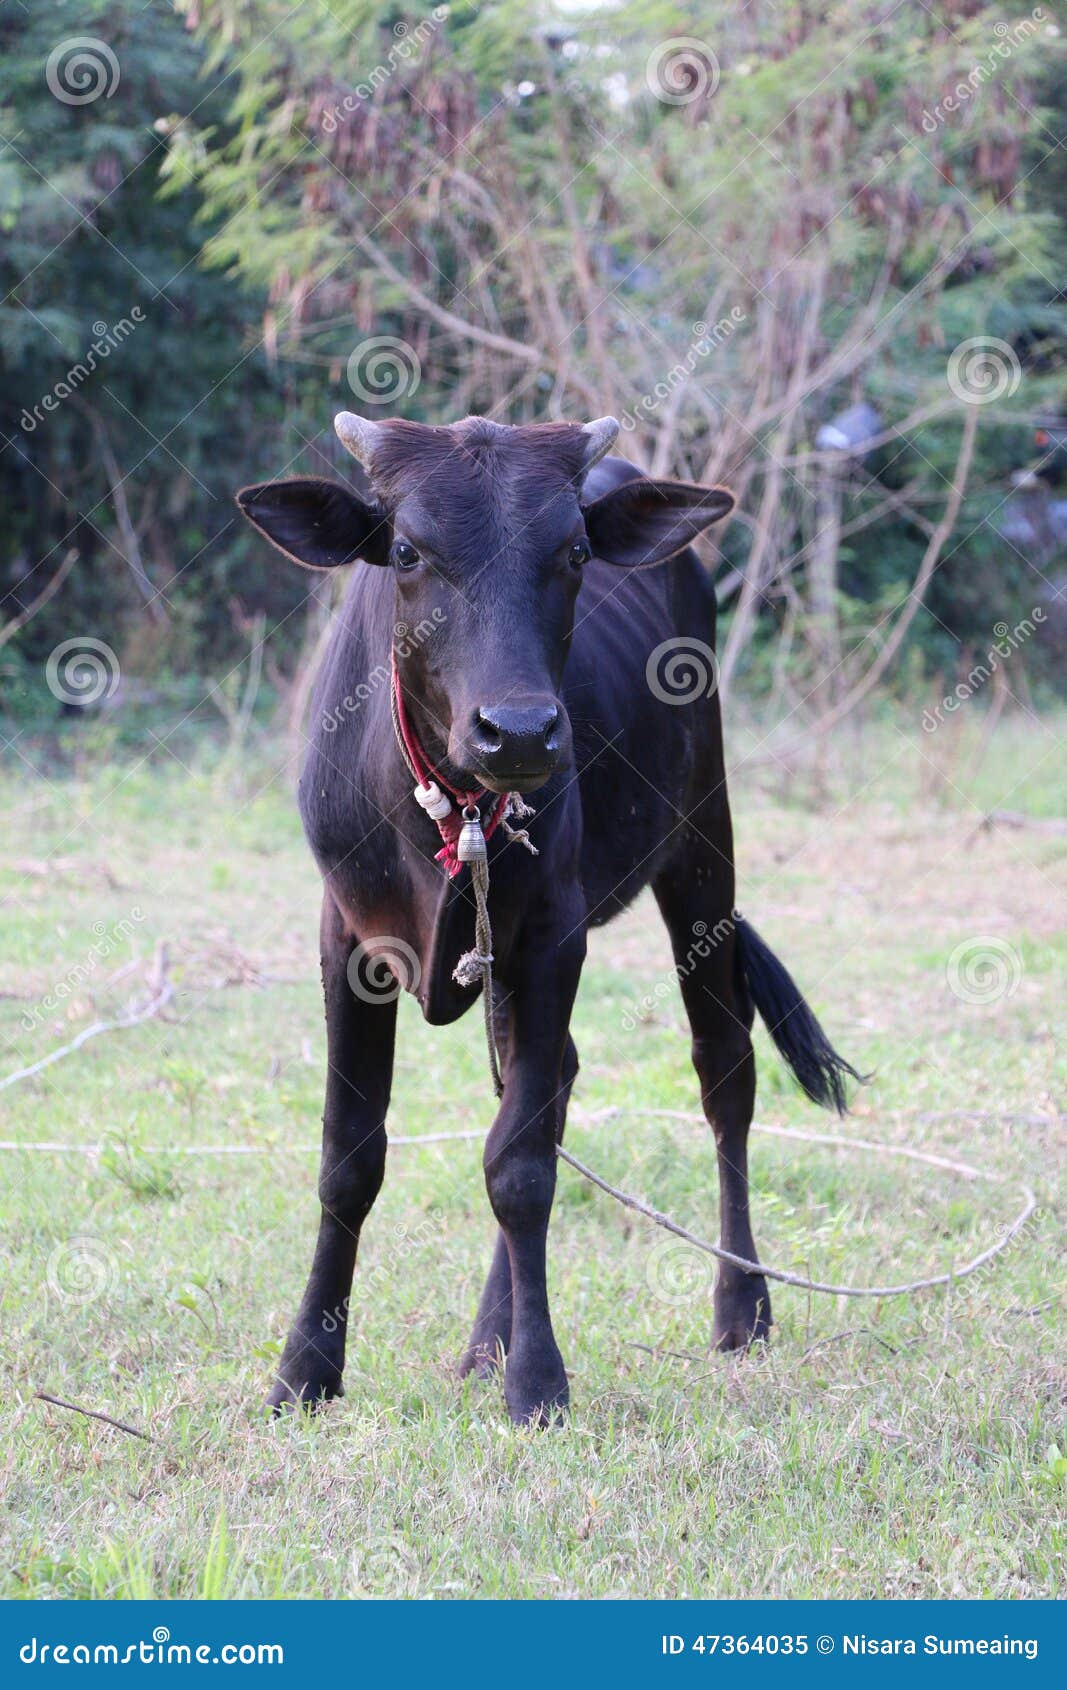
{"x": 491, "y": 1333}
{"x": 520, "y": 1152}
{"x": 359, "y": 1075}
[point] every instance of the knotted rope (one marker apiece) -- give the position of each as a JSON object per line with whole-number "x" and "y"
{"x": 480, "y": 961}
{"x": 458, "y": 818}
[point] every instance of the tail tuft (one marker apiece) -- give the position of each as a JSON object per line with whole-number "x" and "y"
{"x": 820, "y": 1071}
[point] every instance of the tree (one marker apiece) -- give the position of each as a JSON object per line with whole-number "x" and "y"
{"x": 720, "y": 230}
{"x": 132, "y": 384}
{"x": 725, "y": 226}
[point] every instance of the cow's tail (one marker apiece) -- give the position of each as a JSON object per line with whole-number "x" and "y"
{"x": 792, "y": 1024}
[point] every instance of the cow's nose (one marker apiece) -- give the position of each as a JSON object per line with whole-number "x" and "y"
{"x": 519, "y": 736}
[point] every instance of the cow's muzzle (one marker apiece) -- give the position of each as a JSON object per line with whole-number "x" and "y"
{"x": 517, "y": 745}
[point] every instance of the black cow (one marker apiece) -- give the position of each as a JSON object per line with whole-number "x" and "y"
{"x": 532, "y": 597}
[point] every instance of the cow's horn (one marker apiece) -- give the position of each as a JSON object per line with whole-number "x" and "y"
{"x": 357, "y": 435}
{"x": 602, "y": 435}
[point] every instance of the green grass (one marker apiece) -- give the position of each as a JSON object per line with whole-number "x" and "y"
{"x": 900, "y": 1448}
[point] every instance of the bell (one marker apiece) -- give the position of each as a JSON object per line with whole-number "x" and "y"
{"x": 470, "y": 846}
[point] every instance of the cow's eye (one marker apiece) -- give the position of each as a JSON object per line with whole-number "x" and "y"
{"x": 404, "y": 554}
{"x": 579, "y": 554}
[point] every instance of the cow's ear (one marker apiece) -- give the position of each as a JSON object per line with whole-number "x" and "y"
{"x": 317, "y": 523}
{"x": 645, "y": 522}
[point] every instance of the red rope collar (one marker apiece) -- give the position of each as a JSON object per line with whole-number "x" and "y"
{"x": 449, "y": 826}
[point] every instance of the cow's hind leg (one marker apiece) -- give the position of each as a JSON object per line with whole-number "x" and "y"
{"x": 359, "y": 1074}
{"x": 695, "y": 894}
{"x": 491, "y": 1333}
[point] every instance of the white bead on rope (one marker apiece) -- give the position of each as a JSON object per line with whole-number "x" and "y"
{"x": 433, "y": 800}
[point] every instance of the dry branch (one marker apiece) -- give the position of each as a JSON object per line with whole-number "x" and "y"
{"x": 447, "y": 319}
{"x": 162, "y": 992}
{"x": 94, "y": 1414}
{"x": 48, "y": 591}
{"x": 912, "y": 602}
{"x": 1017, "y": 818}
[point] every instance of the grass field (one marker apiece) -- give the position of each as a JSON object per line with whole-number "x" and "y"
{"x": 907, "y": 1448}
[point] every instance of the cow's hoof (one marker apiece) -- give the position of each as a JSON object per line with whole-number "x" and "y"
{"x": 540, "y": 1414}
{"x": 536, "y": 1401}
{"x": 310, "y": 1397}
{"x": 742, "y": 1316}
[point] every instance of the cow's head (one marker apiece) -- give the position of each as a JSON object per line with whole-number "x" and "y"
{"x": 487, "y": 533}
